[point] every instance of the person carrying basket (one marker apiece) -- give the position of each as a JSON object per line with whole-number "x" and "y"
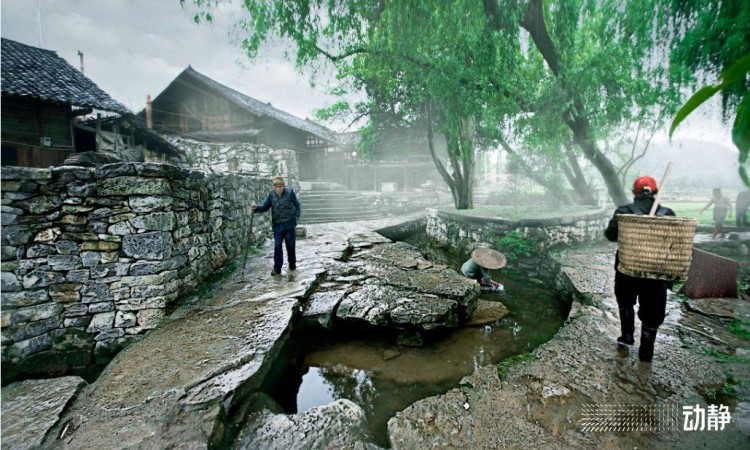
{"x": 651, "y": 294}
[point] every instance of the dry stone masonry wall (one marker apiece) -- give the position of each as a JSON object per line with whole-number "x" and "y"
{"x": 465, "y": 233}
{"x": 240, "y": 157}
{"x": 91, "y": 258}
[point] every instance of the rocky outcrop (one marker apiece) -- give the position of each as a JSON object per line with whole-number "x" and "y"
{"x": 31, "y": 407}
{"x": 390, "y": 284}
{"x": 339, "y": 424}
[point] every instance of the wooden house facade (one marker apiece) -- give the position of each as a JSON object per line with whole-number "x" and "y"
{"x": 399, "y": 160}
{"x": 42, "y": 97}
{"x": 196, "y": 107}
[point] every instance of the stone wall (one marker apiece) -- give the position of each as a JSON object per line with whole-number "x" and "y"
{"x": 236, "y": 157}
{"x": 465, "y": 232}
{"x": 92, "y": 258}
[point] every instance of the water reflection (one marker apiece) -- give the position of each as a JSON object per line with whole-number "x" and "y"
{"x": 372, "y": 371}
{"x": 315, "y": 390}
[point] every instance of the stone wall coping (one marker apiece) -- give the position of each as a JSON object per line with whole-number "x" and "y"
{"x": 566, "y": 219}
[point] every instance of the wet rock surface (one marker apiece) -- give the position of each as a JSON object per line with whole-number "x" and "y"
{"x": 182, "y": 385}
{"x": 31, "y": 407}
{"x": 539, "y": 404}
{"x": 339, "y": 424}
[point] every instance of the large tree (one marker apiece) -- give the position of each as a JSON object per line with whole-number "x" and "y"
{"x": 711, "y": 39}
{"x": 584, "y": 69}
{"x": 601, "y": 74}
{"x": 434, "y": 63}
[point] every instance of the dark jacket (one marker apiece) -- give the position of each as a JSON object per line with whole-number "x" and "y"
{"x": 639, "y": 206}
{"x": 285, "y": 208}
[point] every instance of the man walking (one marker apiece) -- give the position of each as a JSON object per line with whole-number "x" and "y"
{"x": 284, "y": 215}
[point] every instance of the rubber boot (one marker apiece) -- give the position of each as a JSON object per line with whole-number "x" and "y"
{"x": 646, "y": 350}
{"x": 627, "y": 327}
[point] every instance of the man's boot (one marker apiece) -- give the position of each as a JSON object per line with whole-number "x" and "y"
{"x": 646, "y": 350}
{"x": 627, "y": 327}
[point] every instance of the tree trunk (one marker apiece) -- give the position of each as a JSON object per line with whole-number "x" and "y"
{"x": 458, "y": 182}
{"x": 553, "y": 190}
{"x": 533, "y": 22}
{"x": 575, "y": 176}
{"x": 580, "y": 127}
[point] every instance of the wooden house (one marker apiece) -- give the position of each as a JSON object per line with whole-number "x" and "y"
{"x": 196, "y": 107}
{"x": 398, "y": 158}
{"x": 52, "y": 114}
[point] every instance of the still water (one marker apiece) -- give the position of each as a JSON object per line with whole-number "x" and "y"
{"x": 370, "y": 369}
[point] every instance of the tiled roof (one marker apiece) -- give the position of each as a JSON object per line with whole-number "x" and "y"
{"x": 261, "y": 109}
{"x": 35, "y": 73}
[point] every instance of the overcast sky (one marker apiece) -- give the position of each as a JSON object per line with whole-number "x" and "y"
{"x": 133, "y": 48}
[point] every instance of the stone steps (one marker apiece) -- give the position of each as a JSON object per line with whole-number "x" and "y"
{"x": 338, "y": 206}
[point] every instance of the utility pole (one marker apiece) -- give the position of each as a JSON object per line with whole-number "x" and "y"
{"x": 39, "y": 21}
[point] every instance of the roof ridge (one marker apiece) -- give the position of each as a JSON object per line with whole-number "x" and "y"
{"x": 261, "y": 108}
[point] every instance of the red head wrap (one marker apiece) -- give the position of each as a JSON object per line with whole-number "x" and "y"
{"x": 644, "y": 186}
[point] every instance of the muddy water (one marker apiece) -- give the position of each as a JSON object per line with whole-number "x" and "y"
{"x": 383, "y": 378}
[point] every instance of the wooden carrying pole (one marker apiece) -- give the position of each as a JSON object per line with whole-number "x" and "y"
{"x": 249, "y": 237}
{"x": 660, "y": 190}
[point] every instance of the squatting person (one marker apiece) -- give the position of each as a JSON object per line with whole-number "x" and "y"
{"x": 481, "y": 260}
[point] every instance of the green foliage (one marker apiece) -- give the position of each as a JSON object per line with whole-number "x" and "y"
{"x": 504, "y": 365}
{"x": 464, "y": 68}
{"x": 735, "y": 74}
{"x": 727, "y": 389}
{"x": 515, "y": 245}
{"x": 705, "y": 38}
{"x": 728, "y": 358}
{"x": 692, "y": 209}
{"x": 740, "y": 327}
{"x": 528, "y": 211}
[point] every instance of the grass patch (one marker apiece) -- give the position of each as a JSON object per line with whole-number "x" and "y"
{"x": 504, "y": 365}
{"x": 728, "y": 358}
{"x": 528, "y": 211}
{"x": 740, "y": 328}
{"x": 216, "y": 277}
{"x": 693, "y": 209}
{"x": 721, "y": 393}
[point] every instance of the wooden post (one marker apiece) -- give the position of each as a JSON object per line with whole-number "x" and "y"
{"x": 149, "y": 122}
{"x": 98, "y": 129}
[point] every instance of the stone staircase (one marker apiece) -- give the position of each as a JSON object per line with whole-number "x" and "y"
{"x": 339, "y": 205}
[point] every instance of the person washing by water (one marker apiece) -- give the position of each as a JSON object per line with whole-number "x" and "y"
{"x": 482, "y": 260}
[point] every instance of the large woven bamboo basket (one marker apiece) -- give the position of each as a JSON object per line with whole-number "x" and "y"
{"x": 655, "y": 247}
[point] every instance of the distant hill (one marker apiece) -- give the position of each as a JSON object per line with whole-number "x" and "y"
{"x": 696, "y": 165}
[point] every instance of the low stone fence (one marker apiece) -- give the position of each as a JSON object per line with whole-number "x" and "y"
{"x": 92, "y": 258}
{"x": 464, "y": 232}
{"x": 406, "y": 202}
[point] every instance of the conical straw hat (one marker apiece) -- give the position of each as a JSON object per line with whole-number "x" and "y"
{"x": 488, "y": 258}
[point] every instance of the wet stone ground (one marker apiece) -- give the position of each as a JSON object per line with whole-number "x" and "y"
{"x": 195, "y": 381}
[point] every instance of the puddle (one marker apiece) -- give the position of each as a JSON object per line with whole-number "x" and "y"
{"x": 319, "y": 366}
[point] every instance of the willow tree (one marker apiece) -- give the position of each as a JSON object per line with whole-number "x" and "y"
{"x": 711, "y": 38}
{"x": 585, "y": 70}
{"x": 601, "y": 74}
{"x": 432, "y": 62}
